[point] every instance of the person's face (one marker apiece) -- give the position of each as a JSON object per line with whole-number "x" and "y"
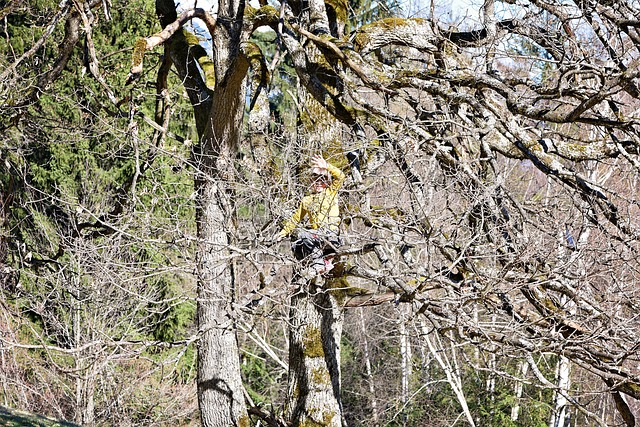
{"x": 318, "y": 183}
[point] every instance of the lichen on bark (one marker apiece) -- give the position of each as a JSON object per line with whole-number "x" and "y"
{"x": 312, "y": 342}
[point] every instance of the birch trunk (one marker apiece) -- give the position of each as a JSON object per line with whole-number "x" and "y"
{"x": 454, "y": 380}
{"x": 367, "y": 364}
{"x": 405, "y": 353}
{"x": 519, "y": 387}
{"x": 559, "y": 415}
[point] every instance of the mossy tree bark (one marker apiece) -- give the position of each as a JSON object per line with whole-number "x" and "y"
{"x": 316, "y": 315}
{"x": 314, "y": 357}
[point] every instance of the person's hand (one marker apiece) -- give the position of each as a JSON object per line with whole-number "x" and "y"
{"x": 318, "y": 161}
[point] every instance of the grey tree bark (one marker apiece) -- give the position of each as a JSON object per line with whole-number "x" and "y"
{"x": 218, "y": 112}
{"x": 314, "y": 357}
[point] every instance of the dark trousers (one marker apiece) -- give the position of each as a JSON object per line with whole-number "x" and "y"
{"x": 315, "y": 244}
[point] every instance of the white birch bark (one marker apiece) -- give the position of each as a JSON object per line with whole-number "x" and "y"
{"x": 367, "y": 364}
{"x": 518, "y": 389}
{"x": 560, "y": 413}
{"x": 439, "y": 354}
{"x": 405, "y": 354}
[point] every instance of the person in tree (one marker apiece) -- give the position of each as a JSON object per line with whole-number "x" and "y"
{"x": 315, "y": 225}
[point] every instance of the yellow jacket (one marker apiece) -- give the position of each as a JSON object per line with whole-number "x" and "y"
{"x": 321, "y": 209}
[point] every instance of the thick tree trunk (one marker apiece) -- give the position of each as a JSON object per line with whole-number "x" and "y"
{"x": 218, "y": 114}
{"x": 219, "y": 383}
{"x": 314, "y": 358}
{"x": 220, "y": 391}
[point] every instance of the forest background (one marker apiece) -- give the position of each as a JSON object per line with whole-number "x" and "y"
{"x": 490, "y": 215}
